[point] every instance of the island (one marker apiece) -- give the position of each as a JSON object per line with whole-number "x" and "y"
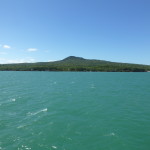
{"x": 73, "y": 63}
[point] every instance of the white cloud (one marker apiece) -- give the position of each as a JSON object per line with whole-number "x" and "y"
{"x": 32, "y": 49}
{"x": 6, "y": 46}
{"x": 12, "y": 61}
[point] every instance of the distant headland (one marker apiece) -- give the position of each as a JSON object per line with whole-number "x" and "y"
{"x": 73, "y": 63}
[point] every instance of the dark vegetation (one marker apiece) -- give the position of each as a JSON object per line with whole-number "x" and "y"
{"x": 73, "y": 63}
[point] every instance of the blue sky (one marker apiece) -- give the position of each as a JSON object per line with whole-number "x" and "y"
{"x": 45, "y": 30}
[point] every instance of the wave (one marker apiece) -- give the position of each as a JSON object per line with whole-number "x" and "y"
{"x": 110, "y": 134}
{"x": 54, "y": 147}
{"x": 35, "y": 113}
{"x": 8, "y": 101}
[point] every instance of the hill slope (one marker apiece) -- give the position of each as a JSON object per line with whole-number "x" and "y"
{"x": 73, "y": 63}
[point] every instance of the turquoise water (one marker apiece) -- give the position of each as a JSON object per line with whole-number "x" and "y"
{"x": 74, "y": 111}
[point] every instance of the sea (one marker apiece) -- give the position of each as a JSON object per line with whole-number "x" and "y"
{"x": 74, "y": 110}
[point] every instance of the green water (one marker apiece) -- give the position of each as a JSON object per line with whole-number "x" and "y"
{"x": 74, "y": 111}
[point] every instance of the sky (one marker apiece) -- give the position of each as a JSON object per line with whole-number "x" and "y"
{"x": 49, "y": 30}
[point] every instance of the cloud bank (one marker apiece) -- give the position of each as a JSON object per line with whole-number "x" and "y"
{"x": 32, "y": 49}
{"x": 6, "y": 46}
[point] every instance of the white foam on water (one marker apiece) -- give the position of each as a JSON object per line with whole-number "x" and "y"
{"x": 35, "y": 113}
{"x": 16, "y": 139}
{"x": 24, "y": 146}
{"x": 111, "y": 134}
{"x": 8, "y": 101}
{"x": 44, "y": 109}
{"x": 13, "y": 99}
{"x": 54, "y": 147}
{"x": 21, "y": 126}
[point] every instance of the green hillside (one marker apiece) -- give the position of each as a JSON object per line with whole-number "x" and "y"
{"x": 73, "y": 63}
